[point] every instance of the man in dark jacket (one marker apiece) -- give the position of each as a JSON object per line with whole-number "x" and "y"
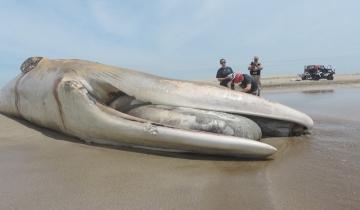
{"x": 247, "y": 83}
{"x": 224, "y": 73}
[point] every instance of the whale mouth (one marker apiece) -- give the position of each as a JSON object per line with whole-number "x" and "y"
{"x": 134, "y": 123}
{"x": 196, "y": 120}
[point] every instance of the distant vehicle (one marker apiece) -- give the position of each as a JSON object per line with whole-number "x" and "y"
{"x": 316, "y": 72}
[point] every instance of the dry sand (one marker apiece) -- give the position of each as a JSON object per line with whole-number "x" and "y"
{"x": 42, "y": 169}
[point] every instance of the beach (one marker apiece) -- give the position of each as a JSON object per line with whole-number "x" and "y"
{"x": 43, "y": 169}
{"x": 294, "y": 83}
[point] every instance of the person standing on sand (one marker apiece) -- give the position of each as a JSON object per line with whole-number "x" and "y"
{"x": 224, "y": 73}
{"x": 255, "y": 68}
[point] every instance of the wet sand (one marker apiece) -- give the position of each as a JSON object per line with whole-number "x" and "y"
{"x": 320, "y": 171}
{"x": 42, "y": 169}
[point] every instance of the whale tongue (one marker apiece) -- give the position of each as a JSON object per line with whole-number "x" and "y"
{"x": 199, "y": 120}
{"x": 187, "y": 118}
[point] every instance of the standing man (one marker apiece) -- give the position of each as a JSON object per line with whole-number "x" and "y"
{"x": 224, "y": 74}
{"x": 255, "y": 68}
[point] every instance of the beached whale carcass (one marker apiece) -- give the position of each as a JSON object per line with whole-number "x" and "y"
{"x": 105, "y": 104}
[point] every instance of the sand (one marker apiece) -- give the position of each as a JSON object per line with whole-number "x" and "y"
{"x": 42, "y": 169}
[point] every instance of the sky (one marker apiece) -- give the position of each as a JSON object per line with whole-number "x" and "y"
{"x": 183, "y": 39}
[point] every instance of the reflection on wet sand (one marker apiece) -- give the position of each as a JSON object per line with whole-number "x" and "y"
{"x": 318, "y": 91}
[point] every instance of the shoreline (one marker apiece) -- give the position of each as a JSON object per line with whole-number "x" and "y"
{"x": 294, "y": 83}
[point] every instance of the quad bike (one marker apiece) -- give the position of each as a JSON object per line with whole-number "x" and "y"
{"x": 316, "y": 72}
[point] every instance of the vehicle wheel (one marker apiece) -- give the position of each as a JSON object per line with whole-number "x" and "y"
{"x": 303, "y": 78}
{"x": 330, "y": 77}
{"x": 316, "y": 77}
